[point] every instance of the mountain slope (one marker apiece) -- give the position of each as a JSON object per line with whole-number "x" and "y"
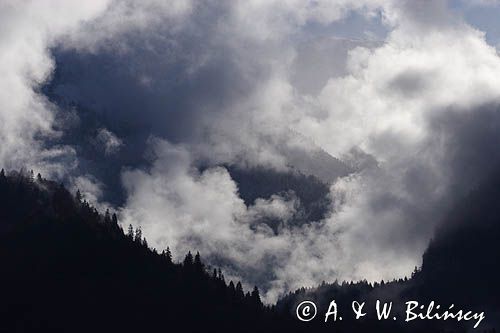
{"x": 459, "y": 267}
{"x": 65, "y": 267}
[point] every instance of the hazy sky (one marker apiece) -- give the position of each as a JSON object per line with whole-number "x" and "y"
{"x": 143, "y": 93}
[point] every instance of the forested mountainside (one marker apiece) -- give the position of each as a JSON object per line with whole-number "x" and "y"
{"x": 66, "y": 267}
{"x": 312, "y": 193}
{"x": 462, "y": 260}
{"x": 459, "y": 267}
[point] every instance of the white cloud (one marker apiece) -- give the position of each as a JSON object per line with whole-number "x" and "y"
{"x": 178, "y": 206}
{"x": 90, "y": 189}
{"x": 28, "y": 30}
{"x": 247, "y": 110}
{"x": 107, "y": 141}
{"x": 430, "y": 62}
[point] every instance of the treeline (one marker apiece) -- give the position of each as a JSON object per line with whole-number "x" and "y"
{"x": 66, "y": 267}
{"x": 459, "y": 267}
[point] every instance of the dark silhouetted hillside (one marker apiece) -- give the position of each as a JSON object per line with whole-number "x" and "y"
{"x": 68, "y": 268}
{"x": 462, "y": 260}
{"x": 459, "y": 267}
{"x": 65, "y": 267}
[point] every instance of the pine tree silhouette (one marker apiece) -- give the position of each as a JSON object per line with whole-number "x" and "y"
{"x": 168, "y": 255}
{"x": 107, "y": 217}
{"x": 188, "y": 260}
{"x": 78, "y": 195}
{"x": 114, "y": 219}
{"x": 255, "y": 297}
{"x": 239, "y": 291}
{"x": 130, "y": 232}
{"x": 138, "y": 235}
{"x": 198, "y": 265}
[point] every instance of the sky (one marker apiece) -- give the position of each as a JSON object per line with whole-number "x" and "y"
{"x": 153, "y": 99}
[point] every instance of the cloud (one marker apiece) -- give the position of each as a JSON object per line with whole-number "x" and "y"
{"x": 200, "y": 74}
{"x": 178, "y": 206}
{"x": 107, "y": 141}
{"x": 90, "y": 189}
{"x": 486, "y": 3}
{"x": 225, "y": 82}
{"x": 26, "y": 117}
{"x": 388, "y": 103}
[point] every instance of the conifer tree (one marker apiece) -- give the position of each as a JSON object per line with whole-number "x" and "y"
{"x": 78, "y": 196}
{"x": 231, "y": 287}
{"x": 168, "y": 255}
{"x": 107, "y": 217}
{"x": 188, "y": 260}
{"x": 130, "y": 233}
{"x": 255, "y": 297}
{"x": 239, "y": 291}
{"x": 138, "y": 235}
{"x": 114, "y": 219}
{"x": 198, "y": 265}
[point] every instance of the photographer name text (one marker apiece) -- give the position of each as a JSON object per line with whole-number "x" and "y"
{"x": 307, "y": 311}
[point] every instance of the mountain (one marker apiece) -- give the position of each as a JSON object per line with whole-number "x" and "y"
{"x": 314, "y": 161}
{"x": 88, "y": 116}
{"x": 459, "y": 267}
{"x": 65, "y": 267}
{"x": 313, "y": 194}
{"x": 462, "y": 260}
